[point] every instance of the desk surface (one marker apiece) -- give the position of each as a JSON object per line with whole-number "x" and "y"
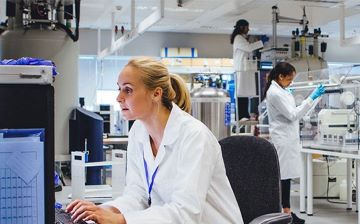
{"x": 338, "y": 153}
{"x": 63, "y": 197}
{"x": 119, "y": 140}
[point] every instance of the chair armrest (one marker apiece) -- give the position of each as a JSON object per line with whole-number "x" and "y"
{"x": 278, "y": 218}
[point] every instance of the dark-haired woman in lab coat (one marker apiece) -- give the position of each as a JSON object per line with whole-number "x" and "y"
{"x": 284, "y": 118}
{"x": 244, "y": 68}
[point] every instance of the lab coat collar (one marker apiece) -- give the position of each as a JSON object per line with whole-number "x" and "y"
{"x": 170, "y": 135}
{"x": 171, "y": 128}
{"x": 273, "y": 82}
{"x": 173, "y": 125}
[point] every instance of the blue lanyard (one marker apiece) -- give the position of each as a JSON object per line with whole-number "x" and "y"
{"x": 150, "y": 185}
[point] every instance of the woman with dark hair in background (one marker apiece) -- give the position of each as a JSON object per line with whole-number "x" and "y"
{"x": 244, "y": 69}
{"x": 284, "y": 126}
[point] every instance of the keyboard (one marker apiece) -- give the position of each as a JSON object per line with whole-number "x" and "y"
{"x": 61, "y": 217}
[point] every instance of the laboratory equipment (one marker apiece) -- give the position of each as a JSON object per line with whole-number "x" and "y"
{"x": 263, "y": 126}
{"x": 86, "y": 134}
{"x": 333, "y": 122}
{"x": 26, "y": 74}
{"x": 327, "y": 177}
{"x": 122, "y": 126}
{"x": 341, "y": 84}
{"x": 211, "y": 105}
{"x": 347, "y": 98}
{"x": 36, "y": 29}
{"x": 81, "y": 190}
{"x": 31, "y": 105}
{"x": 303, "y": 52}
{"x": 44, "y": 14}
{"x": 337, "y": 127}
{"x": 106, "y": 111}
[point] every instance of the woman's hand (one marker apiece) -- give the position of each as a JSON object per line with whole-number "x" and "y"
{"x": 85, "y": 210}
{"x": 320, "y": 90}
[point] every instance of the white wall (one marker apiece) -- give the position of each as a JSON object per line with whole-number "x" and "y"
{"x": 150, "y": 43}
{"x": 337, "y": 53}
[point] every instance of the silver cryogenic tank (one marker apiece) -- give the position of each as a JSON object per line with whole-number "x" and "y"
{"x": 212, "y": 107}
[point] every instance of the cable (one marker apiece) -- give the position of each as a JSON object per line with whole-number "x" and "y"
{"x": 328, "y": 185}
{"x": 73, "y": 36}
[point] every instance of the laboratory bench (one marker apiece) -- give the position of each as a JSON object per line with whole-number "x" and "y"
{"x": 306, "y": 174}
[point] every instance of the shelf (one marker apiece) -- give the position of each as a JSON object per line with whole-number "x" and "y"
{"x": 198, "y": 69}
{"x": 199, "y": 65}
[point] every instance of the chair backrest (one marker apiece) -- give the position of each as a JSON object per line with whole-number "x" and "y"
{"x": 252, "y": 167}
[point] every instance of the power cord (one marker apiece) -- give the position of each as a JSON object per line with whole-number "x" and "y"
{"x": 328, "y": 185}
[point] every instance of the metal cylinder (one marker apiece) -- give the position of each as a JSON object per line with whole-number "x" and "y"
{"x": 303, "y": 47}
{"x": 274, "y": 24}
{"x": 293, "y": 40}
{"x": 212, "y": 107}
{"x": 58, "y": 47}
{"x": 316, "y": 47}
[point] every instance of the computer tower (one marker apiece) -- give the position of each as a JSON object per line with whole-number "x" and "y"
{"x": 106, "y": 111}
{"x": 32, "y": 106}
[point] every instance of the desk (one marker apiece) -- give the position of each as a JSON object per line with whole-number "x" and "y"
{"x": 306, "y": 176}
{"x": 115, "y": 141}
{"x": 63, "y": 198}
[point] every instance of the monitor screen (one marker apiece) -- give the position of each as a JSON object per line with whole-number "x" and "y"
{"x": 86, "y": 134}
{"x": 22, "y": 183}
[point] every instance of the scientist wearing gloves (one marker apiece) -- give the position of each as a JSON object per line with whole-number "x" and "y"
{"x": 284, "y": 126}
{"x": 244, "y": 68}
{"x": 175, "y": 170}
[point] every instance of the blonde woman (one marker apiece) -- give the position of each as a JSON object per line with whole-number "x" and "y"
{"x": 175, "y": 169}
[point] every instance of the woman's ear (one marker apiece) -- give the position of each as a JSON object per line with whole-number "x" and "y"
{"x": 157, "y": 94}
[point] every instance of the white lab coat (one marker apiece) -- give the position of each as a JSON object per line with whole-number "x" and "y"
{"x": 284, "y": 127}
{"x": 191, "y": 185}
{"x": 245, "y": 69}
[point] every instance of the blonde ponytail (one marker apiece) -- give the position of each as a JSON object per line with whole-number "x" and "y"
{"x": 182, "y": 95}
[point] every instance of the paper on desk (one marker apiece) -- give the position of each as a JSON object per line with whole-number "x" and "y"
{"x": 26, "y": 169}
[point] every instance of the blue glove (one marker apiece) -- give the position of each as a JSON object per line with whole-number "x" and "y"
{"x": 290, "y": 90}
{"x": 29, "y": 61}
{"x": 56, "y": 178}
{"x": 320, "y": 90}
{"x": 58, "y": 205}
{"x": 264, "y": 38}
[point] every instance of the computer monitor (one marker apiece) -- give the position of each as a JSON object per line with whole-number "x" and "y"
{"x": 86, "y": 133}
{"x": 22, "y": 170}
{"x": 29, "y": 106}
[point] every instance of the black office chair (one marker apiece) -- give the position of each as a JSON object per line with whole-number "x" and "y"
{"x": 252, "y": 167}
